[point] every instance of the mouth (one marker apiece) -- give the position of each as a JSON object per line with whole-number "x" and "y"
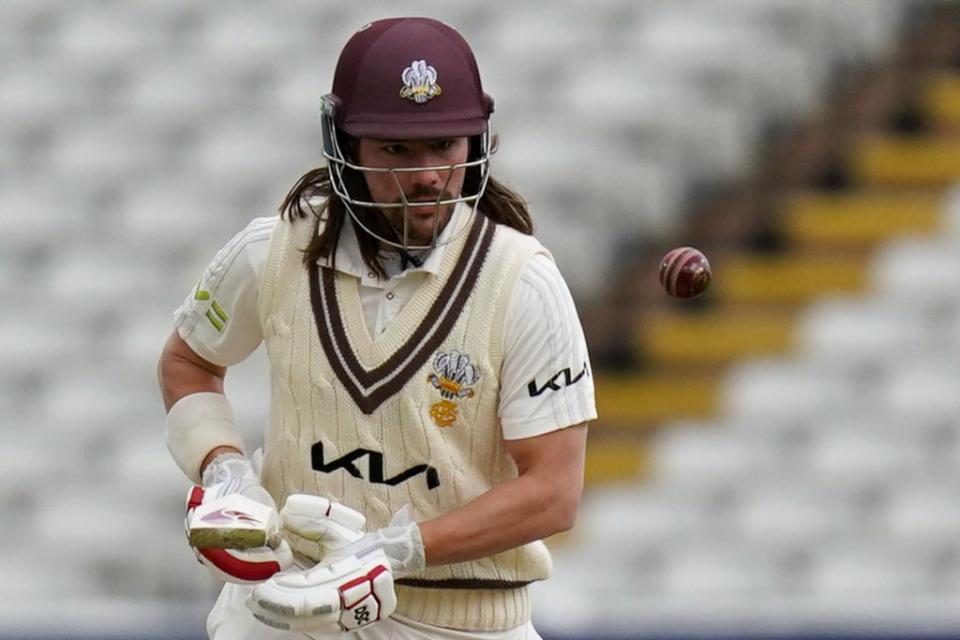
{"x": 424, "y": 212}
{"x": 424, "y": 220}
{"x": 421, "y": 198}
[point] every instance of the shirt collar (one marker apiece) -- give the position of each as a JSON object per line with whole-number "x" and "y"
{"x": 349, "y": 260}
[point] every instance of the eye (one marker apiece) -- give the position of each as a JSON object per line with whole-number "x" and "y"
{"x": 395, "y": 149}
{"x": 443, "y": 145}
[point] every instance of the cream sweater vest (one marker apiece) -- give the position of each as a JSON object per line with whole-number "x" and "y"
{"x": 406, "y": 418}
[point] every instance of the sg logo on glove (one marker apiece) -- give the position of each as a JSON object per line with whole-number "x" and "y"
{"x": 344, "y": 595}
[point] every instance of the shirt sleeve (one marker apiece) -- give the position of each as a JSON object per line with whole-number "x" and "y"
{"x": 219, "y": 319}
{"x": 546, "y": 382}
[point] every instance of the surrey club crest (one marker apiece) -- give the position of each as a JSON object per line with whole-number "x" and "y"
{"x": 453, "y": 376}
{"x": 419, "y": 82}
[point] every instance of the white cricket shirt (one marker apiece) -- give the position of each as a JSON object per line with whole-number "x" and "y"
{"x": 541, "y": 388}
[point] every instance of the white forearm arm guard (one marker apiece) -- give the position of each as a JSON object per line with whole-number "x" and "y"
{"x": 196, "y": 425}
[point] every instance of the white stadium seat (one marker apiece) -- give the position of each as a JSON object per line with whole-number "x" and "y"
{"x": 528, "y": 35}
{"x": 94, "y": 37}
{"x": 786, "y": 389}
{"x": 42, "y": 95}
{"x": 104, "y": 152}
{"x": 862, "y": 456}
{"x": 253, "y": 152}
{"x": 637, "y": 521}
{"x": 707, "y": 457}
{"x": 171, "y": 215}
{"x": 295, "y": 90}
{"x": 36, "y": 213}
{"x": 77, "y": 399}
{"x": 26, "y": 464}
{"x": 923, "y": 514}
{"x": 92, "y": 278}
{"x": 919, "y": 271}
{"x": 177, "y": 91}
{"x": 140, "y": 461}
{"x": 252, "y": 38}
{"x": 793, "y": 516}
{"x": 718, "y": 570}
{"x": 857, "y": 333}
{"x": 34, "y": 574}
{"x": 921, "y": 389}
{"x": 29, "y": 336}
{"x": 100, "y": 518}
{"x": 857, "y": 570}
{"x": 141, "y": 334}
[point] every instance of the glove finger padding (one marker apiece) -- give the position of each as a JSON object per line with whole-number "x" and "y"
{"x": 233, "y": 510}
{"x": 316, "y": 526}
{"x": 341, "y": 596}
{"x": 231, "y": 522}
{"x": 218, "y": 520}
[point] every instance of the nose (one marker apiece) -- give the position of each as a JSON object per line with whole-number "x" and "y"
{"x": 433, "y": 178}
{"x": 426, "y": 184}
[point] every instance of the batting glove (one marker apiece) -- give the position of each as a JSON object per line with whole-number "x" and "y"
{"x": 316, "y": 526}
{"x": 225, "y": 512}
{"x": 343, "y": 595}
{"x": 400, "y": 542}
{"x": 324, "y": 530}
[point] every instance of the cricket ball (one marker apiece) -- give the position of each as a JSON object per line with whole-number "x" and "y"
{"x": 684, "y": 272}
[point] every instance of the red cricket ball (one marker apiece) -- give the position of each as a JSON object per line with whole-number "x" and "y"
{"x": 684, "y": 272}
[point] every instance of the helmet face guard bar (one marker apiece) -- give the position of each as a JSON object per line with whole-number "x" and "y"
{"x": 338, "y": 163}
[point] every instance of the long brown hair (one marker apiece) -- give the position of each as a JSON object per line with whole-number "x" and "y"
{"x": 312, "y": 195}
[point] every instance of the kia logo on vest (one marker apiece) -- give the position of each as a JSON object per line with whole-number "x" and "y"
{"x": 374, "y": 467}
{"x": 559, "y": 380}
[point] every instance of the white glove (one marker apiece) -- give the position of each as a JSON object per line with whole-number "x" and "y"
{"x": 231, "y": 474}
{"x": 399, "y": 541}
{"x": 324, "y": 530}
{"x": 343, "y": 595}
{"x": 316, "y": 526}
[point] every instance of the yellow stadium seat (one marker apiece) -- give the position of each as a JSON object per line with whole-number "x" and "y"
{"x": 787, "y": 279}
{"x": 941, "y": 99}
{"x": 715, "y": 338}
{"x": 901, "y": 161}
{"x": 638, "y": 401}
{"x": 616, "y": 460}
{"x": 860, "y": 218}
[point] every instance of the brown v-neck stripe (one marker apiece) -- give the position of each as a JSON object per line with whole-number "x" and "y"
{"x": 441, "y": 317}
{"x": 459, "y": 275}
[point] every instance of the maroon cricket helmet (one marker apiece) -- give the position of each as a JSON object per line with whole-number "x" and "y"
{"x": 408, "y": 78}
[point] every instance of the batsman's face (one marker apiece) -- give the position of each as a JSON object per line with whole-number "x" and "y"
{"x": 436, "y": 182}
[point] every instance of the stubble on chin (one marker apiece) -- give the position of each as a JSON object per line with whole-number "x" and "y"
{"x": 420, "y": 230}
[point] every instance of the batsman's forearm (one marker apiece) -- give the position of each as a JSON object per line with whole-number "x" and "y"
{"x": 513, "y": 513}
{"x": 182, "y": 372}
{"x": 179, "y": 379}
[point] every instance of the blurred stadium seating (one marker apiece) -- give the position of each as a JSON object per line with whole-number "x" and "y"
{"x": 778, "y": 458}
